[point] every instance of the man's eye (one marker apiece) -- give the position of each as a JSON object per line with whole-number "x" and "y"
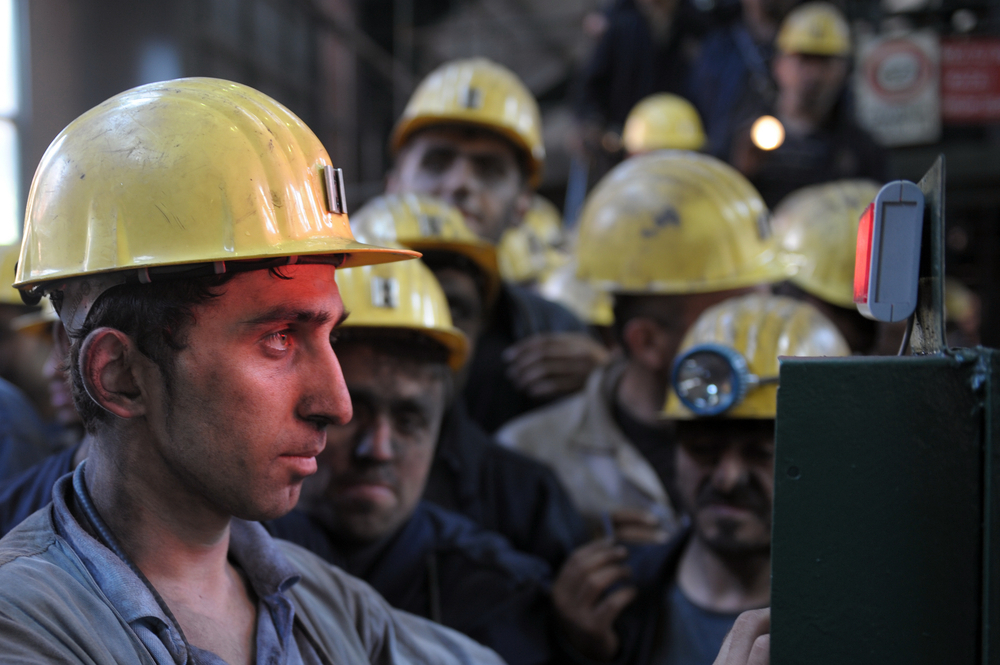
{"x": 280, "y": 341}
{"x": 490, "y": 168}
{"x": 409, "y": 423}
{"x": 438, "y": 161}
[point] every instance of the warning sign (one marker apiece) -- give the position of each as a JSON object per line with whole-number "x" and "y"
{"x": 970, "y": 79}
{"x": 897, "y": 89}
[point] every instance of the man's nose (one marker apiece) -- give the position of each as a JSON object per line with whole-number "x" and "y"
{"x": 459, "y": 180}
{"x": 325, "y": 398}
{"x": 730, "y": 472}
{"x": 376, "y": 444}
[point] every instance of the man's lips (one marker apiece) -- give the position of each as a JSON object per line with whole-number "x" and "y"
{"x": 366, "y": 490}
{"x": 304, "y": 460}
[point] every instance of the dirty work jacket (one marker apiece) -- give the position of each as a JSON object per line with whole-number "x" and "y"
{"x": 502, "y": 491}
{"x": 441, "y": 566}
{"x": 489, "y": 394}
{"x": 52, "y": 611}
{"x": 596, "y": 463}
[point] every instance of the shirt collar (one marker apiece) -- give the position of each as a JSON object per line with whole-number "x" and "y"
{"x": 266, "y": 568}
{"x": 122, "y": 587}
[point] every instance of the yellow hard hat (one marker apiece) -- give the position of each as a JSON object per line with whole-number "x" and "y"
{"x": 528, "y": 251}
{"x": 36, "y": 323}
{"x": 477, "y": 92}
{"x": 545, "y": 222}
{"x": 675, "y": 222}
{"x": 8, "y": 261}
{"x": 817, "y": 228}
{"x": 186, "y": 176}
{"x": 959, "y": 301}
{"x": 422, "y": 222}
{"x": 402, "y": 295}
{"x": 728, "y": 362}
{"x": 815, "y": 28}
{"x": 587, "y": 303}
{"x": 663, "y": 121}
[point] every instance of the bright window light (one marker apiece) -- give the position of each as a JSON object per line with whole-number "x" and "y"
{"x": 10, "y": 211}
{"x": 8, "y": 60}
{"x": 10, "y": 206}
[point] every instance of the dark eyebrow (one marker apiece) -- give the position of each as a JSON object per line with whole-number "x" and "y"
{"x": 282, "y": 313}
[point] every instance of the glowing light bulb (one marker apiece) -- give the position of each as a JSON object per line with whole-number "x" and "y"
{"x": 767, "y": 133}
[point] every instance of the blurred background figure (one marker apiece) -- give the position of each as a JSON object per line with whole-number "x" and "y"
{"x": 822, "y": 141}
{"x": 24, "y": 397}
{"x": 363, "y": 511}
{"x": 471, "y": 136}
{"x": 66, "y": 441}
{"x": 499, "y": 489}
{"x": 667, "y": 235}
{"x": 538, "y": 246}
{"x": 21, "y": 356}
{"x": 645, "y": 48}
{"x": 682, "y": 597}
{"x": 662, "y": 122}
{"x": 733, "y": 69}
{"x": 817, "y": 228}
{"x": 962, "y": 310}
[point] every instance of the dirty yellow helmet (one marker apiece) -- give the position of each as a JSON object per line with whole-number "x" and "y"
{"x": 424, "y": 223}
{"x": 405, "y": 296}
{"x": 191, "y": 176}
{"x": 817, "y": 228}
{"x": 815, "y": 28}
{"x": 674, "y": 222}
{"x": 477, "y": 92}
{"x": 728, "y": 362}
{"x": 663, "y": 121}
{"x": 8, "y": 261}
{"x": 528, "y": 251}
{"x": 588, "y": 304}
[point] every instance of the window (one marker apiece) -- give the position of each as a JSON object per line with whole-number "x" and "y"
{"x": 10, "y": 205}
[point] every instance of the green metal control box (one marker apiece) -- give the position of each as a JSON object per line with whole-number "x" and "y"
{"x": 886, "y": 535}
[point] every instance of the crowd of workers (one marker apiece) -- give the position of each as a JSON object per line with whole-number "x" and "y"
{"x": 556, "y": 444}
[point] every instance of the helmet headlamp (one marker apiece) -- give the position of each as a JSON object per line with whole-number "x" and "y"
{"x": 710, "y": 379}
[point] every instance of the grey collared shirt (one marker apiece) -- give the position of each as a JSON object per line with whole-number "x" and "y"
{"x": 279, "y": 640}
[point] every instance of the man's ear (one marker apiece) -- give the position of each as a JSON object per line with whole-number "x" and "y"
{"x": 112, "y": 369}
{"x": 648, "y": 343}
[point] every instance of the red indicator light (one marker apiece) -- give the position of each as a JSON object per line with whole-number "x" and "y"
{"x": 863, "y": 254}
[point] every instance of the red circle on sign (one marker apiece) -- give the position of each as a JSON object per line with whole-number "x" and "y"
{"x": 897, "y": 70}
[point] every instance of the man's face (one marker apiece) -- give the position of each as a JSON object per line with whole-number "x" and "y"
{"x": 476, "y": 172}
{"x": 375, "y": 467}
{"x": 673, "y": 315}
{"x": 244, "y": 415}
{"x": 60, "y": 389}
{"x": 465, "y": 301}
{"x": 809, "y": 85}
{"x": 725, "y": 475}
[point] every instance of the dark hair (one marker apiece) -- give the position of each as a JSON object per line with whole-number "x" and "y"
{"x": 156, "y": 316}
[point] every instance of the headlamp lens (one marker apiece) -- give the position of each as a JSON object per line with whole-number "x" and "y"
{"x": 706, "y": 382}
